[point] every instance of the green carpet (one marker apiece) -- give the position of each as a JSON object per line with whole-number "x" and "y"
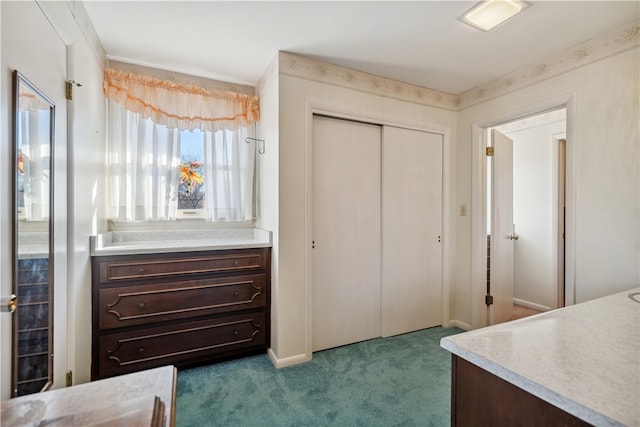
{"x": 398, "y": 381}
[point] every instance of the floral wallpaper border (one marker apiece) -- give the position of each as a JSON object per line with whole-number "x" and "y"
{"x": 300, "y": 66}
{"x": 609, "y": 44}
{"x": 615, "y": 42}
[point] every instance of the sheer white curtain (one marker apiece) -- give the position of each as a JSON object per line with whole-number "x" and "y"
{"x": 34, "y": 131}
{"x": 229, "y": 173}
{"x": 144, "y": 160}
{"x": 143, "y": 167}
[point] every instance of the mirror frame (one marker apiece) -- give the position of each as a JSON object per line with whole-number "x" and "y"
{"x": 18, "y": 80}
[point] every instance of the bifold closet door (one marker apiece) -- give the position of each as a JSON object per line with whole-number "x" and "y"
{"x": 411, "y": 230}
{"x": 346, "y": 232}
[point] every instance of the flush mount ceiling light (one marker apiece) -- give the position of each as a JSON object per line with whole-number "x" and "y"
{"x": 490, "y": 13}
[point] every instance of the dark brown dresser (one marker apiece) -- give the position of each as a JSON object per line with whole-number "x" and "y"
{"x": 183, "y": 308}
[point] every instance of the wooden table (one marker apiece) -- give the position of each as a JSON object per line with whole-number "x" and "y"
{"x": 145, "y": 398}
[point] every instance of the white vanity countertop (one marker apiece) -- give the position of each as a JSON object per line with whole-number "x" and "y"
{"x": 163, "y": 241}
{"x": 584, "y": 359}
{"x": 33, "y": 252}
{"x": 33, "y": 245}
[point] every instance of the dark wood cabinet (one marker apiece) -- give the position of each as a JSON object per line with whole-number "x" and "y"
{"x": 479, "y": 399}
{"x": 178, "y": 308}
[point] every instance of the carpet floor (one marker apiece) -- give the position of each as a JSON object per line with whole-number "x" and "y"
{"x": 397, "y": 381}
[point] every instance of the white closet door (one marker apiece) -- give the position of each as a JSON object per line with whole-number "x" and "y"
{"x": 411, "y": 230}
{"x": 346, "y": 232}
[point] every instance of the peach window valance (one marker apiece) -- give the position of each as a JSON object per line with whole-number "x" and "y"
{"x": 182, "y": 107}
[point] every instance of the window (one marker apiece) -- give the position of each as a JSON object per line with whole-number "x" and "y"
{"x": 191, "y": 185}
{"x": 178, "y": 150}
{"x": 156, "y": 173}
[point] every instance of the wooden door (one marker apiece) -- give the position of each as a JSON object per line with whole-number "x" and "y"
{"x": 346, "y": 232}
{"x": 411, "y": 230}
{"x": 503, "y": 235}
{"x": 41, "y": 57}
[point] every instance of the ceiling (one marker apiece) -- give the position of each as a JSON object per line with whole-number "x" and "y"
{"x": 418, "y": 42}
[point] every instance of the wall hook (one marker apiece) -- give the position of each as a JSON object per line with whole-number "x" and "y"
{"x": 261, "y": 148}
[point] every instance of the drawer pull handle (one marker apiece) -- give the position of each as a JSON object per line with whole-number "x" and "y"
{"x": 141, "y": 305}
{"x": 236, "y": 263}
{"x": 236, "y": 293}
{"x": 235, "y": 333}
{"x": 141, "y": 270}
{"x": 141, "y": 350}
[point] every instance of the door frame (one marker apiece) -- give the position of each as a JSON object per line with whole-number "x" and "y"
{"x": 562, "y": 180}
{"x": 312, "y": 108}
{"x": 479, "y": 311}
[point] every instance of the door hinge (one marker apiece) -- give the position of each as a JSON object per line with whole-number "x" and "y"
{"x": 488, "y": 299}
{"x": 489, "y": 151}
{"x": 69, "y": 381}
{"x": 68, "y": 89}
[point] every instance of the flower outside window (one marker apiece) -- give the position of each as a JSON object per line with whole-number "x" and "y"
{"x": 191, "y": 186}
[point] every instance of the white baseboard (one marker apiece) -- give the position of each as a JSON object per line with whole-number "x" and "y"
{"x": 287, "y": 361}
{"x": 458, "y": 324}
{"x": 531, "y": 305}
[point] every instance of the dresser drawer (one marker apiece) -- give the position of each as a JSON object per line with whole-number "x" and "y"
{"x": 153, "y": 268}
{"x": 143, "y": 304}
{"x": 144, "y": 348}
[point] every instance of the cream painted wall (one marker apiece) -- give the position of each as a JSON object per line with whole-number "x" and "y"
{"x": 87, "y": 198}
{"x": 603, "y": 170}
{"x": 267, "y": 165}
{"x": 298, "y": 98}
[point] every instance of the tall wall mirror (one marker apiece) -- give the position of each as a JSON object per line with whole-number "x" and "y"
{"x": 32, "y": 340}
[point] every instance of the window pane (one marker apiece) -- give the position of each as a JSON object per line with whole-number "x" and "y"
{"x": 191, "y": 187}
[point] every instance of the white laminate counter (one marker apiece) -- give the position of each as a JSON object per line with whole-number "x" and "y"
{"x": 583, "y": 359}
{"x": 163, "y": 241}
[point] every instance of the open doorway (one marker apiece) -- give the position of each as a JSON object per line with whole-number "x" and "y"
{"x": 531, "y": 244}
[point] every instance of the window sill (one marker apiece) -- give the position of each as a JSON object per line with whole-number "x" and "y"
{"x": 163, "y": 241}
{"x": 178, "y": 224}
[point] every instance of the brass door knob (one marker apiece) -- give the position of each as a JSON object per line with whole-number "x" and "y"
{"x": 9, "y": 304}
